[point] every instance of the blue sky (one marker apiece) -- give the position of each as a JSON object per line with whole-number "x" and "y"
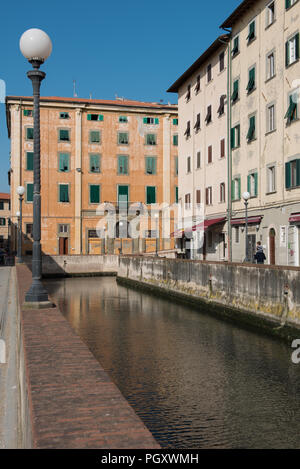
{"x": 135, "y": 49}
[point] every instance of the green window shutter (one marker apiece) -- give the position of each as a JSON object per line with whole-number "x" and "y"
{"x": 176, "y": 195}
{"x": 249, "y": 183}
{"x": 175, "y": 140}
{"x": 239, "y": 188}
{"x": 94, "y": 194}
{"x": 232, "y": 138}
{"x": 287, "y": 54}
{"x": 156, "y": 121}
{"x": 235, "y": 93}
{"x": 176, "y": 165}
{"x": 64, "y": 135}
{"x": 95, "y": 136}
{"x": 122, "y": 164}
{"x": 26, "y": 112}
{"x": 64, "y": 193}
{"x": 29, "y": 192}
{"x": 175, "y": 121}
{"x": 145, "y": 120}
{"x": 151, "y": 195}
{"x": 29, "y": 161}
{"x": 298, "y": 173}
{"x": 251, "y": 131}
{"x": 95, "y": 163}
{"x": 100, "y": 117}
{"x": 63, "y": 162}
{"x": 238, "y": 131}
{"x": 232, "y": 189}
{"x": 29, "y": 133}
{"x": 297, "y": 45}
{"x": 89, "y": 117}
{"x": 287, "y": 4}
{"x": 287, "y": 175}
{"x": 150, "y": 165}
{"x": 255, "y": 184}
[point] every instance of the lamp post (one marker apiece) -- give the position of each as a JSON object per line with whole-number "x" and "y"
{"x": 121, "y": 237}
{"x": 20, "y": 192}
{"x": 157, "y": 233}
{"x": 246, "y": 197}
{"x": 36, "y": 46}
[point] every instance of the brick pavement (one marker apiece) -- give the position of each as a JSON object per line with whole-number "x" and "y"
{"x": 73, "y": 402}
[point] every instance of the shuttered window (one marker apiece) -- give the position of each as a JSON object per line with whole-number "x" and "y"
{"x": 292, "y": 50}
{"x": 252, "y": 184}
{"x": 222, "y": 149}
{"x": 150, "y": 139}
{"x": 150, "y": 162}
{"x": 175, "y": 121}
{"x": 176, "y": 194}
{"x": 64, "y": 162}
{"x": 235, "y": 136}
{"x": 64, "y": 193}
{"x": 292, "y": 174}
{"x": 235, "y": 49}
{"x": 175, "y": 140}
{"x": 235, "y": 92}
{"x": 64, "y": 135}
{"x": 95, "y": 117}
{"x": 29, "y": 133}
{"x": 94, "y": 194}
{"x": 95, "y": 136}
{"x": 94, "y": 163}
{"x": 251, "y": 34}
{"x": 236, "y": 189}
{"x": 150, "y": 195}
{"x": 122, "y": 164}
{"x": 292, "y": 112}
{"x": 251, "y": 130}
{"x": 123, "y": 138}
{"x": 151, "y": 120}
{"x": 29, "y": 161}
{"x": 29, "y": 192}
{"x": 251, "y": 82}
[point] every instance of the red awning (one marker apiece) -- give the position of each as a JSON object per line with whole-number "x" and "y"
{"x": 207, "y": 223}
{"x": 294, "y": 217}
{"x": 242, "y": 221}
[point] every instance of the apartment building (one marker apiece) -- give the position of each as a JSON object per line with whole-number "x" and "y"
{"x": 261, "y": 128}
{"x": 265, "y": 128}
{"x": 202, "y": 109}
{"x": 93, "y": 151}
{"x": 4, "y": 220}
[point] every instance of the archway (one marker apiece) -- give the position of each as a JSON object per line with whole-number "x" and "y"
{"x": 272, "y": 244}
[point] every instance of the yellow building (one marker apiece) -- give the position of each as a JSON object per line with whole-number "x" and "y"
{"x": 92, "y": 151}
{"x": 4, "y": 220}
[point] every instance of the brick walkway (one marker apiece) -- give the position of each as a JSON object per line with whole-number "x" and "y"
{"x": 73, "y": 402}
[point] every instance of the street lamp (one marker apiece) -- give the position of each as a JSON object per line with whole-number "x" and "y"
{"x": 246, "y": 197}
{"x": 121, "y": 236}
{"x": 157, "y": 233}
{"x": 20, "y": 192}
{"x": 36, "y": 46}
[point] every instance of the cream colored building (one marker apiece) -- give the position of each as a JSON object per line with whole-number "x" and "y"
{"x": 203, "y": 149}
{"x": 265, "y": 155}
{"x": 4, "y": 220}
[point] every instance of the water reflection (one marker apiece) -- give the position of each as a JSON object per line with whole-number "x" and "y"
{"x": 196, "y": 381}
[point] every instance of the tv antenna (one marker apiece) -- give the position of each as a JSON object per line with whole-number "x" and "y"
{"x": 74, "y": 89}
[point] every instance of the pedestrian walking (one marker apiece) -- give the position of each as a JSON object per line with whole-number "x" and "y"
{"x": 260, "y": 255}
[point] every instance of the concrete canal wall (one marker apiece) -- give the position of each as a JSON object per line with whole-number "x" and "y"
{"x": 263, "y": 296}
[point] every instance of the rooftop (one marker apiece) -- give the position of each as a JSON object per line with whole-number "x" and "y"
{"x": 4, "y": 196}
{"x": 240, "y": 10}
{"x": 200, "y": 61}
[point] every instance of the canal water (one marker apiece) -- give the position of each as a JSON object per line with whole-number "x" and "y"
{"x": 194, "y": 380}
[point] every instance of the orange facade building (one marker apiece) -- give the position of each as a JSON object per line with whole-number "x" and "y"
{"x": 92, "y": 151}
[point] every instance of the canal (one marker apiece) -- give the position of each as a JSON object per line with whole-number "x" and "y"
{"x": 194, "y": 380}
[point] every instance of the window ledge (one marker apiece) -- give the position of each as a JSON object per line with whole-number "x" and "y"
{"x": 270, "y": 132}
{"x": 235, "y": 102}
{"x": 293, "y": 63}
{"x": 292, "y": 122}
{"x": 271, "y": 24}
{"x": 251, "y": 141}
{"x": 270, "y": 193}
{"x": 235, "y": 55}
{"x": 251, "y": 91}
{"x": 289, "y": 8}
{"x": 251, "y": 41}
{"x": 271, "y": 78}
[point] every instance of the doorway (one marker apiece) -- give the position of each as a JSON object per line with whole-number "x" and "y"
{"x": 63, "y": 246}
{"x": 272, "y": 236}
{"x": 123, "y": 197}
{"x": 251, "y": 247}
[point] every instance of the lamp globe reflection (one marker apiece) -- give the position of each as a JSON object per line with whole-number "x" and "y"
{"x": 35, "y": 44}
{"x": 20, "y": 190}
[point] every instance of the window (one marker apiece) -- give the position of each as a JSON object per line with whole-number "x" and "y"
{"x": 28, "y": 112}
{"x": 198, "y": 163}
{"x": 63, "y": 228}
{"x": 29, "y": 133}
{"x": 235, "y": 92}
{"x": 197, "y": 88}
{"x": 221, "y": 109}
{"x": 29, "y": 161}
{"x": 92, "y": 234}
{"x": 94, "y": 163}
{"x": 222, "y": 192}
{"x": 235, "y": 48}
{"x": 222, "y": 148}
{"x": 209, "y": 154}
{"x": 175, "y": 121}
{"x": 122, "y": 164}
{"x": 64, "y": 162}
{"x": 1, "y": 205}
{"x": 64, "y": 193}
{"x": 236, "y": 189}
{"x": 270, "y": 14}
{"x": 188, "y": 169}
{"x": 150, "y": 163}
{"x": 150, "y": 120}
{"x": 175, "y": 140}
{"x": 95, "y": 117}
{"x": 235, "y": 136}
{"x": 187, "y": 132}
{"x": 123, "y": 119}
{"x": 209, "y": 74}
{"x": 208, "y": 115}
{"x": 176, "y": 194}
{"x": 29, "y": 192}
{"x": 289, "y": 3}
{"x": 251, "y": 131}
{"x": 187, "y": 200}
{"x": 292, "y": 112}
{"x": 94, "y": 194}
{"x": 252, "y": 184}
{"x": 188, "y": 94}
{"x": 64, "y": 115}
{"x": 210, "y": 239}
{"x": 123, "y": 138}
{"x": 222, "y": 61}
{"x": 208, "y": 195}
{"x": 271, "y": 118}
{"x": 292, "y": 174}
{"x": 2, "y": 222}
{"x": 95, "y": 136}
{"x": 292, "y": 50}
{"x": 251, "y": 82}
{"x": 64, "y": 135}
{"x": 29, "y": 229}
{"x": 198, "y": 122}
{"x": 270, "y": 65}
{"x": 251, "y": 32}
{"x": 271, "y": 173}
{"x": 150, "y": 195}
{"x": 198, "y": 197}
{"x": 151, "y": 139}
{"x": 176, "y": 165}
{"x": 237, "y": 234}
